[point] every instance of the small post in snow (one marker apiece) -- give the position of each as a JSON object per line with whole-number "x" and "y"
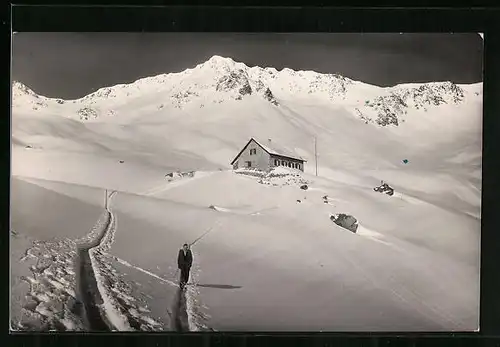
{"x": 316, "y": 154}
{"x": 106, "y": 199}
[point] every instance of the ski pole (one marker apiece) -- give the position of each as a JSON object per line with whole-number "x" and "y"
{"x": 199, "y": 238}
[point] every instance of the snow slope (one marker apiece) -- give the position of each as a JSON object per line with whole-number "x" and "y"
{"x": 413, "y": 266}
{"x": 298, "y": 264}
{"x": 45, "y": 225}
{"x": 165, "y": 134}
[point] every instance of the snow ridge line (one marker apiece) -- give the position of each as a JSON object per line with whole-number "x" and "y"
{"x": 95, "y": 231}
{"x": 109, "y": 305}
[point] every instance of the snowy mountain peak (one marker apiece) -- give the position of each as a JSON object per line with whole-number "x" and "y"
{"x": 220, "y": 65}
{"x": 218, "y": 60}
{"x": 22, "y": 96}
{"x": 19, "y": 89}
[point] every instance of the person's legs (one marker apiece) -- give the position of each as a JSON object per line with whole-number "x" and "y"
{"x": 183, "y": 276}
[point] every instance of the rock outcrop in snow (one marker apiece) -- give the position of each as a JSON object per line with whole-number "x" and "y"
{"x": 270, "y": 97}
{"x": 333, "y": 85}
{"x": 385, "y": 189}
{"x": 24, "y": 96}
{"x": 234, "y": 80}
{"x": 20, "y": 89}
{"x": 87, "y": 113}
{"x": 391, "y": 107}
{"x": 345, "y": 221}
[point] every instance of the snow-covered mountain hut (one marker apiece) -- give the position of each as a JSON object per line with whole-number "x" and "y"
{"x": 257, "y": 155}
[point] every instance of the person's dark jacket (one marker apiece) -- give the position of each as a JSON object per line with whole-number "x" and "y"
{"x": 184, "y": 260}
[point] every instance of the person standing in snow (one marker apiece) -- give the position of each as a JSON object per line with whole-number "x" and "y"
{"x": 184, "y": 262}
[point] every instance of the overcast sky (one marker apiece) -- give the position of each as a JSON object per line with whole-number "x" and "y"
{"x": 71, "y": 65}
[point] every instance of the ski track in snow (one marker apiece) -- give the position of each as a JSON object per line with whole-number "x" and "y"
{"x": 185, "y": 314}
{"x": 108, "y": 304}
{"x": 374, "y": 236}
{"x": 123, "y": 262}
{"x": 120, "y": 305}
{"x": 196, "y": 317}
{"x": 120, "y": 308}
{"x": 183, "y": 303}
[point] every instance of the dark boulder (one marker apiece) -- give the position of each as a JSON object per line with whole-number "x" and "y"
{"x": 345, "y": 221}
{"x": 384, "y": 188}
{"x": 304, "y": 187}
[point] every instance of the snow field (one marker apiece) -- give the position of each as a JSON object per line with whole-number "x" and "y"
{"x": 269, "y": 263}
{"x": 251, "y": 243}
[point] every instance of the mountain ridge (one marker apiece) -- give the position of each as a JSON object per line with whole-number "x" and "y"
{"x": 219, "y": 62}
{"x": 221, "y": 79}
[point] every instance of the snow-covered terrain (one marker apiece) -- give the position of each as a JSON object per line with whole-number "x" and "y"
{"x": 269, "y": 257}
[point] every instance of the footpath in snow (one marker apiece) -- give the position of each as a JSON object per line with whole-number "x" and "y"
{"x": 108, "y": 301}
{"x": 88, "y": 288}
